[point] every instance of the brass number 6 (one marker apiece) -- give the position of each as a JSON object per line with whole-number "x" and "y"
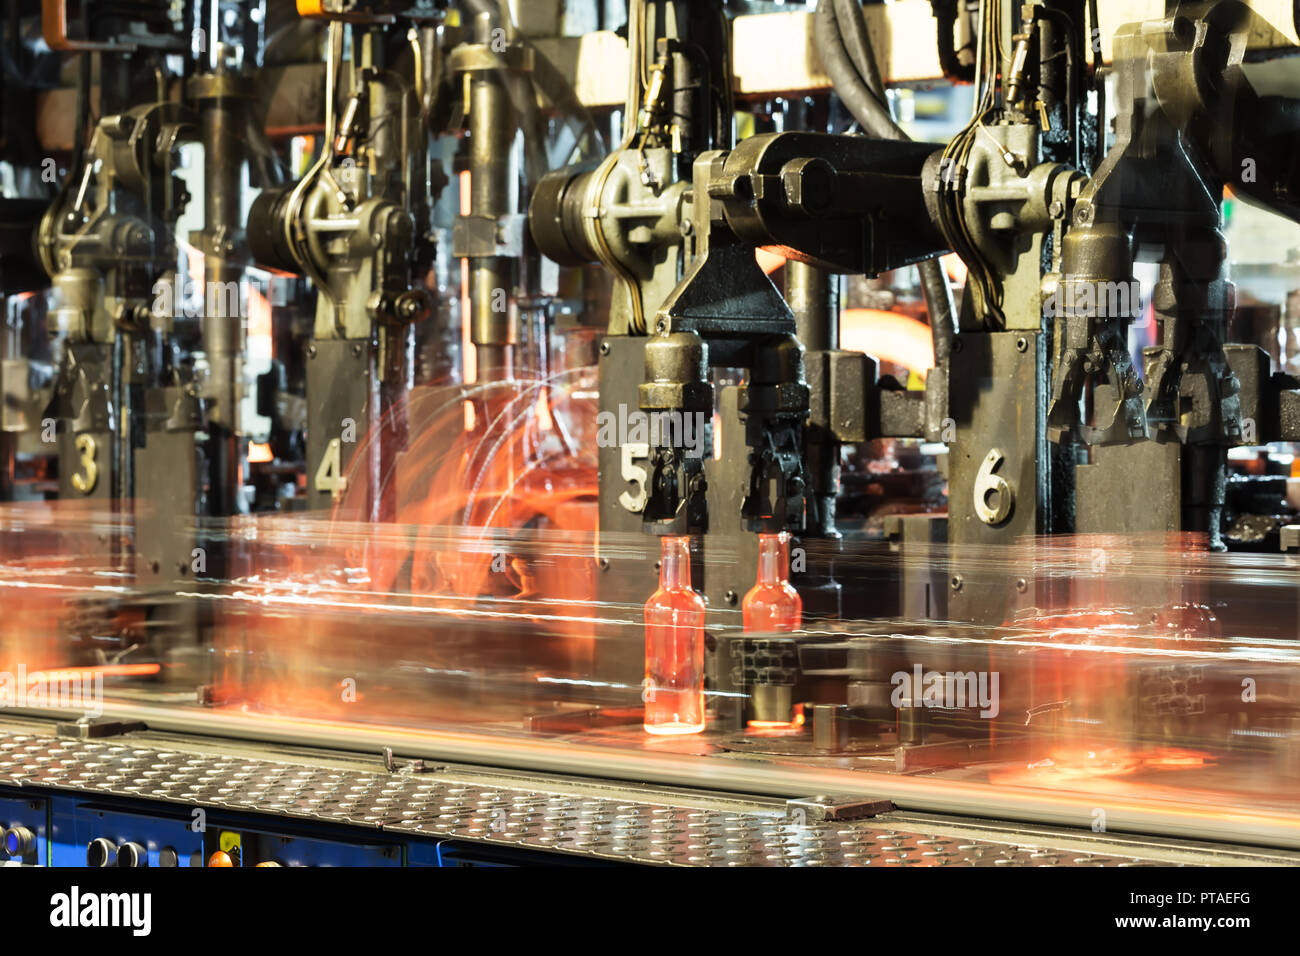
{"x": 988, "y": 485}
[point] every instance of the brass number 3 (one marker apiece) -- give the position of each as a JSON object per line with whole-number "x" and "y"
{"x": 84, "y": 480}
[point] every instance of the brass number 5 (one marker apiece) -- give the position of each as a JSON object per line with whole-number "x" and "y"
{"x": 84, "y": 480}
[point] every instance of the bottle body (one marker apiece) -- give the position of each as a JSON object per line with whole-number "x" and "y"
{"x": 773, "y": 604}
{"x": 673, "y": 689}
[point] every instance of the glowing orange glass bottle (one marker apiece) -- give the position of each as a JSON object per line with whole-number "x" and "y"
{"x": 673, "y": 689}
{"x": 773, "y": 604}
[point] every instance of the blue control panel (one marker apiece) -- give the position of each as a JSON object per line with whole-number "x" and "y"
{"x": 55, "y": 828}
{"x": 24, "y": 830}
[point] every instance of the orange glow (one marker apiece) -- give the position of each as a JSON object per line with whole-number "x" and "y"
{"x": 259, "y": 452}
{"x": 1082, "y": 764}
{"x": 772, "y": 604}
{"x": 306, "y": 149}
{"x": 469, "y": 356}
{"x": 956, "y": 269}
{"x": 674, "y": 647}
{"x": 1174, "y": 758}
{"x": 527, "y": 461}
{"x": 769, "y": 261}
{"x": 102, "y": 670}
{"x": 543, "y": 412}
{"x": 220, "y": 858}
{"x": 1255, "y": 465}
{"x": 889, "y": 336}
{"x": 773, "y": 728}
{"x": 259, "y": 315}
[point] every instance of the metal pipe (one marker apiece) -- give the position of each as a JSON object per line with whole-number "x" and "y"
{"x": 814, "y": 297}
{"x": 492, "y": 127}
{"x": 221, "y": 125}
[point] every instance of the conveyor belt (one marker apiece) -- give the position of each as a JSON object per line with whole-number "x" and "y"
{"x": 565, "y": 815}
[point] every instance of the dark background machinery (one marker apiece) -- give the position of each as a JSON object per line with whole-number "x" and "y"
{"x": 278, "y": 254}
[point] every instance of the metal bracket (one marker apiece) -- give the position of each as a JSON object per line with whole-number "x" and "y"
{"x": 415, "y": 766}
{"x": 54, "y": 30}
{"x": 484, "y": 58}
{"x": 93, "y": 728}
{"x": 822, "y": 808}
{"x": 476, "y": 237}
{"x": 1291, "y": 538}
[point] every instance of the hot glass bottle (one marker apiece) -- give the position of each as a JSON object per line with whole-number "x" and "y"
{"x": 773, "y": 604}
{"x": 673, "y": 689}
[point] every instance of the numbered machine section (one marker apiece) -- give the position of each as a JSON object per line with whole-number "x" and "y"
{"x": 341, "y": 395}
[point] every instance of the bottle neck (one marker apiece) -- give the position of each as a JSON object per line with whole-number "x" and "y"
{"x": 773, "y": 558}
{"x": 675, "y": 562}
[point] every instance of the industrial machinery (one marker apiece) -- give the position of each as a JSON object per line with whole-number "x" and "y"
{"x": 724, "y": 432}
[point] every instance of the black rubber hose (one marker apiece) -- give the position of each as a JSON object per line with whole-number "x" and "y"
{"x": 939, "y": 302}
{"x": 851, "y": 23}
{"x": 945, "y": 15}
{"x": 857, "y": 97}
{"x": 875, "y": 118}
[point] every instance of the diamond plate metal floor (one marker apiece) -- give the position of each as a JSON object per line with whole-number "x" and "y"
{"x": 552, "y": 813}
